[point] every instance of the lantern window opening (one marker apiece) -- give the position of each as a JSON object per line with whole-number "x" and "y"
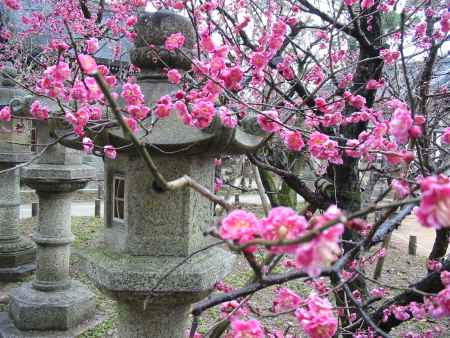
{"x": 119, "y": 201}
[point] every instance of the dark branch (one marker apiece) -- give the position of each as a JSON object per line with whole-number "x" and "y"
{"x": 430, "y": 284}
{"x": 294, "y": 182}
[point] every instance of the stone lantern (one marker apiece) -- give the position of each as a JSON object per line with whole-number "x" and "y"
{"x": 17, "y": 254}
{"x": 52, "y": 301}
{"x": 146, "y": 262}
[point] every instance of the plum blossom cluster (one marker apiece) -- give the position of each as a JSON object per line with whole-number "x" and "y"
{"x": 315, "y": 315}
{"x": 55, "y": 83}
{"x": 434, "y": 208}
{"x": 323, "y": 148}
{"x": 317, "y": 318}
{"x": 402, "y": 126}
{"x": 284, "y": 224}
{"x": 52, "y": 82}
{"x": 135, "y": 106}
{"x": 435, "y": 307}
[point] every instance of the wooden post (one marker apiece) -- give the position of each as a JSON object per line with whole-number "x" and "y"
{"x": 34, "y": 209}
{"x": 412, "y": 247}
{"x": 98, "y": 204}
{"x": 380, "y": 262}
{"x": 262, "y": 193}
{"x": 236, "y": 199}
{"x": 33, "y": 140}
{"x": 99, "y": 190}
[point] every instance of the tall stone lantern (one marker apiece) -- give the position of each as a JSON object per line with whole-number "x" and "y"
{"x": 53, "y": 301}
{"x": 17, "y": 254}
{"x": 150, "y": 261}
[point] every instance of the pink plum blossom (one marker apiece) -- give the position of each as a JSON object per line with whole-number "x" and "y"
{"x": 238, "y": 224}
{"x": 286, "y": 69}
{"x": 79, "y": 119}
{"x": 259, "y": 60}
{"x": 139, "y": 112}
{"x": 400, "y": 312}
{"x": 430, "y": 12}
{"x": 434, "y": 265}
{"x": 285, "y": 300}
{"x": 227, "y": 117}
{"x": 79, "y": 92}
{"x": 421, "y": 29}
{"x": 401, "y": 188}
{"x": 234, "y": 308}
{"x": 174, "y": 76}
{"x": 131, "y": 20}
{"x": 59, "y": 72}
{"x": 434, "y": 208}
{"x": 415, "y": 132}
{"x": 269, "y": 121}
{"x": 88, "y": 64}
{"x": 322, "y": 105}
{"x": 223, "y": 287}
{"x": 174, "y": 41}
{"x": 374, "y": 84}
{"x": 12, "y": 4}
{"x": 88, "y": 145}
{"x": 446, "y": 136}
{"x": 39, "y": 111}
{"x": 232, "y": 77}
{"x": 315, "y": 75}
{"x": 206, "y": 42}
{"x": 324, "y": 248}
{"x": 353, "y": 148}
{"x": 378, "y": 292}
{"x": 132, "y": 94}
{"x": 366, "y": 4}
{"x": 5, "y": 114}
{"x": 445, "y": 21}
{"x": 317, "y": 319}
{"x": 445, "y": 278}
{"x": 443, "y": 303}
{"x": 419, "y": 119}
{"x": 417, "y": 310}
{"x": 91, "y": 45}
{"x": 218, "y": 183}
{"x": 282, "y": 223}
{"x": 333, "y": 119}
{"x": 110, "y": 152}
{"x": 390, "y": 56}
{"x": 95, "y": 113}
{"x": 400, "y": 124}
{"x": 58, "y": 45}
{"x": 246, "y": 329}
{"x": 217, "y": 64}
{"x": 183, "y": 112}
{"x": 132, "y": 124}
{"x": 293, "y": 140}
{"x": 203, "y": 113}
{"x": 164, "y": 107}
{"x": 321, "y": 147}
{"x": 357, "y": 101}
